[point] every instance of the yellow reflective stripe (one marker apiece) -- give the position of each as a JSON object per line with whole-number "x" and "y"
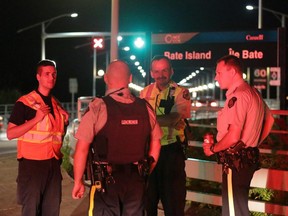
{"x": 149, "y": 90}
{"x": 47, "y": 141}
{"x": 230, "y": 193}
{"x": 91, "y": 200}
{"x": 40, "y": 137}
{"x": 44, "y": 133}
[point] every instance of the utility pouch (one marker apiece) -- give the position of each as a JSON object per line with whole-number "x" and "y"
{"x": 238, "y": 156}
{"x": 101, "y": 175}
{"x": 144, "y": 166}
{"x": 231, "y": 157}
{"x": 99, "y": 172}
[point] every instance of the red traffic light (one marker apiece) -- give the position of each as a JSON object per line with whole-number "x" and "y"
{"x": 98, "y": 42}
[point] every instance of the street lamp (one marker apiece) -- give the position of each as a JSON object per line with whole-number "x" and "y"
{"x": 281, "y": 16}
{"x": 44, "y": 24}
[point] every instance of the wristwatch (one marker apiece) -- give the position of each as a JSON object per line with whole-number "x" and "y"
{"x": 212, "y": 148}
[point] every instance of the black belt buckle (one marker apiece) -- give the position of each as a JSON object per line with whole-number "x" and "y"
{"x": 126, "y": 168}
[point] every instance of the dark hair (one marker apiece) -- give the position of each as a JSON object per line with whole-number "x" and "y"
{"x": 232, "y": 61}
{"x": 159, "y": 57}
{"x": 45, "y": 62}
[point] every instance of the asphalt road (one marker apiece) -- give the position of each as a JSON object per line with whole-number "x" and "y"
{"x": 8, "y": 186}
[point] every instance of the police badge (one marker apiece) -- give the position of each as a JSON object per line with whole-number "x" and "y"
{"x": 232, "y": 102}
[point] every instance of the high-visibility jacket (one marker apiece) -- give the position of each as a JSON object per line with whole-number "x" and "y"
{"x": 44, "y": 140}
{"x": 166, "y": 101}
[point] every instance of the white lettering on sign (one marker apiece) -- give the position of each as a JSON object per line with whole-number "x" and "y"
{"x": 233, "y": 52}
{"x": 188, "y": 55}
{"x": 197, "y": 55}
{"x": 260, "y": 73}
{"x": 255, "y": 37}
{"x": 129, "y": 122}
{"x": 247, "y": 54}
{"x": 260, "y": 78}
{"x": 173, "y": 55}
{"x": 170, "y": 38}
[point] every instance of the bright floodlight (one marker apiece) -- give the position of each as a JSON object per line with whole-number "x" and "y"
{"x": 139, "y": 42}
{"x": 74, "y": 15}
{"x": 101, "y": 72}
{"x": 119, "y": 38}
{"x": 126, "y": 48}
{"x": 244, "y": 76}
{"x": 137, "y": 63}
{"x": 250, "y": 7}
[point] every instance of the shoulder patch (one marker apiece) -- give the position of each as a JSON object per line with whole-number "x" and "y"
{"x": 186, "y": 94}
{"x": 232, "y": 102}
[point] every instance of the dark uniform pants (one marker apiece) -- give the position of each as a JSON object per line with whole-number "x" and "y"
{"x": 167, "y": 182}
{"x": 235, "y": 190}
{"x": 39, "y": 187}
{"x": 123, "y": 198}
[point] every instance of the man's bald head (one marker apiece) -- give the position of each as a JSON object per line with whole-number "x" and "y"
{"x": 118, "y": 75}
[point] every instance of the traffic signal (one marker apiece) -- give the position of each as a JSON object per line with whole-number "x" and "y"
{"x": 98, "y": 42}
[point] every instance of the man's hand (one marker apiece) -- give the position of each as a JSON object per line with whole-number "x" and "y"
{"x": 78, "y": 190}
{"x": 207, "y": 149}
{"x": 42, "y": 112}
{"x": 180, "y": 125}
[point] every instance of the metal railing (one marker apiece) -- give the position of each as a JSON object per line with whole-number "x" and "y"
{"x": 211, "y": 171}
{"x": 6, "y": 109}
{"x": 273, "y": 179}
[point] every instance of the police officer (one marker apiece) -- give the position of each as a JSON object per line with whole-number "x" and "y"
{"x": 121, "y": 124}
{"x": 171, "y": 104}
{"x": 240, "y": 131}
{"x": 39, "y": 122}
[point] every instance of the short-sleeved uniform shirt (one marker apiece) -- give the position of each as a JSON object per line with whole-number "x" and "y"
{"x": 243, "y": 108}
{"x": 96, "y": 116}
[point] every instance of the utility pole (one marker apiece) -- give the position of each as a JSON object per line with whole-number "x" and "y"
{"x": 114, "y": 29}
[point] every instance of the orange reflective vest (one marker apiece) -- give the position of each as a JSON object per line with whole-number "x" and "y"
{"x": 44, "y": 140}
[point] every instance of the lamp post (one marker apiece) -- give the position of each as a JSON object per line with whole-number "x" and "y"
{"x": 44, "y": 24}
{"x": 114, "y": 29}
{"x": 281, "y": 16}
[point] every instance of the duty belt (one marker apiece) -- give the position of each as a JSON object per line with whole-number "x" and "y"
{"x": 238, "y": 157}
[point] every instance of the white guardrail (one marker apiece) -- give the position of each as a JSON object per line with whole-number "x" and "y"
{"x": 211, "y": 171}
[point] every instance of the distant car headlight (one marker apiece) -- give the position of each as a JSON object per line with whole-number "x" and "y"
{"x": 198, "y": 104}
{"x": 213, "y": 104}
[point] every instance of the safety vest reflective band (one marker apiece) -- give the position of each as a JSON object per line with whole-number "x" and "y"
{"x": 44, "y": 140}
{"x": 162, "y": 102}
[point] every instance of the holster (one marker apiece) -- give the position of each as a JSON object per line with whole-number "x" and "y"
{"x": 238, "y": 156}
{"x": 144, "y": 166}
{"x": 101, "y": 175}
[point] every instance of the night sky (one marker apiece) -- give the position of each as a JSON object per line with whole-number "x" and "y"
{"x": 21, "y": 52}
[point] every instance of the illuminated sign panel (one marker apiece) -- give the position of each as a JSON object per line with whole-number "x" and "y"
{"x": 256, "y": 48}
